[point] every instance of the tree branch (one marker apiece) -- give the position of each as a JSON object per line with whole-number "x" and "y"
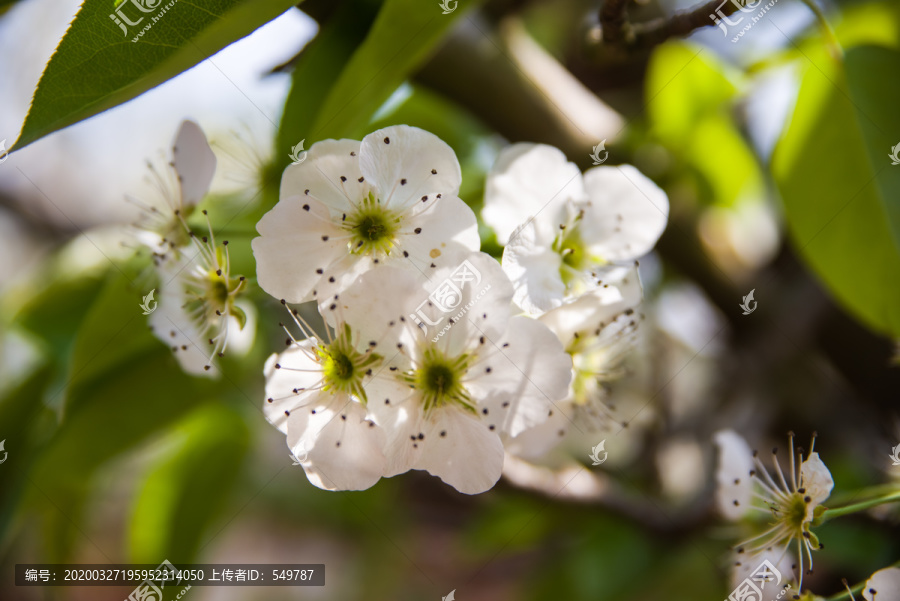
{"x": 619, "y": 32}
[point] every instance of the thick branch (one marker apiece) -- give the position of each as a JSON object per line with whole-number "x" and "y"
{"x": 619, "y": 32}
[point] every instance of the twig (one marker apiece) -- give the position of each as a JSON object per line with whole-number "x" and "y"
{"x": 620, "y": 33}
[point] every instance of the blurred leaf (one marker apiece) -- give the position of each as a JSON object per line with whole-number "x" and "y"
{"x": 401, "y": 39}
{"x": 115, "y": 413}
{"x": 689, "y": 97}
{"x": 316, "y": 71}
{"x": 600, "y": 559}
{"x": 684, "y": 85}
{"x": 97, "y": 66}
{"x": 55, "y": 314}
{"x": 113, "y": 331}
{"x": 840, "y": 191}
{"x": 185, "y": 492}
{"x": 20, "y": 407}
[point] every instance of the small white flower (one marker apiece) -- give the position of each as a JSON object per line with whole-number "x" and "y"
{"x": 199, "y": 312}
{"x": 316, "y": 396}
{"x": 161, "y": 225}
{"x": 569, "y": 227}
{"x": 597, "y": 330}
{"x": 390, "y": 199}
{"x": 794, "y": 502}
{"x": 530, "y": 182}
{"x": 452, "y": 396}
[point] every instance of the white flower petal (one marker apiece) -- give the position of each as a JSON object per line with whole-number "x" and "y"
{"x": 344, "y": 449}
{"x": 626, "y": 213}
{"x": 534, "y": 269}
{"x": 173, "y": 325}
{"x": 597, "y": 307}
{"x": 816, "y": 479}
{"x": 297, "y": 240}
{"x": 331, "y": 175}
{"x": 734, "y": 487}
{"x": 298, "y": 372}
{"x": 194, "y": 163}
{"x": 537, "y": 441}
{"x": 529, "y": 180}
{"x": 746, "y": 565}
{"x": 522, "y": 379}
{"x": 405, "y": 163}
{"x": 884, "y": 585}
{"x": 438, "y": 234}
{"x": 467, "y": 302}
{"x": 377, "y": 306}
{"x": 451, "y": 444}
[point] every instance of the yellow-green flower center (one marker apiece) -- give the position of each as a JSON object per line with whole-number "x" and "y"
{"x": 372, "y": 227}
{"x": 573, "y": 251}
{"x": 343, "y": 367}
{"x": 439, "y": 379}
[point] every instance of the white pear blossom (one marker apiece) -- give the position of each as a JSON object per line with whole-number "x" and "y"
{"x": 456, "y": 386}
{"x": 793, "y": 502}
{"x": 199, "y": 312}
{"x": 569, "y": 226}
{"x": 597, "y": 330}
{"x": 530, "y": 182}
{"x": 884, "y": 585}
{"x": 181, "y": 186}
{"x": 391, "y": 198}
{"x": 749, "y": 566}
{"x": 316, "y": 395}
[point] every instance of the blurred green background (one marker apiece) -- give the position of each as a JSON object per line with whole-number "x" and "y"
{"x": 774, "y": 151}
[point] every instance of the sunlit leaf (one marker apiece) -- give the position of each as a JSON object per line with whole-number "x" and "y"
{"x": 100, "y": 64}
{"x": 184, "y": 492}
{"x": 401, "y": 39}
{"x": 690, "y": 105}
{"x": 840, "y": 191}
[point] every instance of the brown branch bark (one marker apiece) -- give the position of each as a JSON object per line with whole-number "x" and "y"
{"x": 619, "y": 32}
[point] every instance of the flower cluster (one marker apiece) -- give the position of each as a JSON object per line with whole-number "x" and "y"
{"x": 435, "y": 355}
{"x": 571, "y": 244}
{"x": 199, "y": 309}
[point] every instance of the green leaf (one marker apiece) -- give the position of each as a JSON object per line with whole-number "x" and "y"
{"x": 23, "y": 407}
{"x": 98, "y": 65}
{"x": 840, "y": 191}
{"x": 401, "y": 39}
{"x": 316, "y": 71}
{"x": 184, "y": 492}
{"x": 113, "y": 331}
{"x": 684, "y": 85}
{"x": 689, "y": 102}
